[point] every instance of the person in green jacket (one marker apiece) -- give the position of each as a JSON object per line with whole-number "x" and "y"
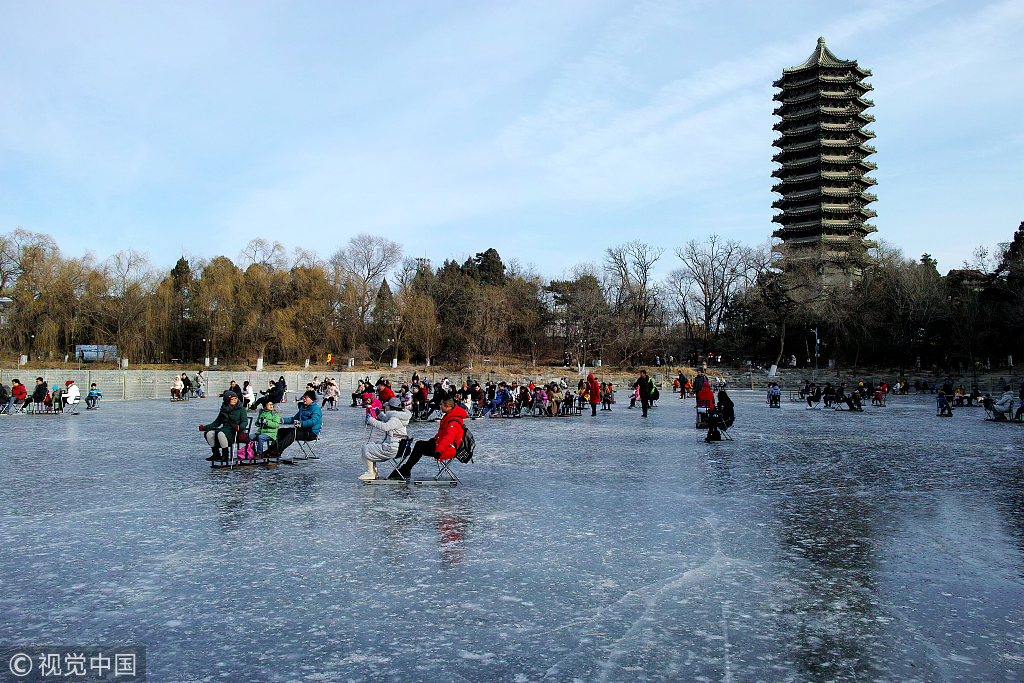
{"x": 267, "y": 423}
{"x": 221, "y": 433}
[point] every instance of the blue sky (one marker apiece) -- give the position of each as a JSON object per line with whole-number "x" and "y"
{"x": 547, "y": 130}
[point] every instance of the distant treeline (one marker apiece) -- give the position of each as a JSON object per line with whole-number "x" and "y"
{"x": 721, "y": 298}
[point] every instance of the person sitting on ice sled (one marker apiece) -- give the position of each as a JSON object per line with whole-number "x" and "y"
{"x": 444, "y": 444}
{"x": 221, "y": 433}
{"x": 267, "y": 423}
{"x": 308, "y": 421}
{"x": 393, "y": 423}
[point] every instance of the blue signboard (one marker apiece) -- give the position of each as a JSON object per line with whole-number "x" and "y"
{"x": 96, "y": 352}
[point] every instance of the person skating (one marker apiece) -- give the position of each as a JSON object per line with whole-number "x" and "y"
{"x": 645, "y": 386}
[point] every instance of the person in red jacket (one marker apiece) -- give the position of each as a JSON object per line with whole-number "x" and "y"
{"x": 706, "y": 394}
{"x": 444, "y": 444}
{"x": 593, "y": 394}
{"x": 18, "y": 395}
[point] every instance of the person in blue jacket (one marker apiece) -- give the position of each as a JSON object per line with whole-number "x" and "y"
{"x": 307, "y": 423}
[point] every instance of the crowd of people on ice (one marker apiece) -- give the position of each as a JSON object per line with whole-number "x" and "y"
{"x": 389, "y": 413}
{"x": 44, "y": 398}
{"x": 947, "y": 397}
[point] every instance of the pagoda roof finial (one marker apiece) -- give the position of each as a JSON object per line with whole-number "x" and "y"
{"x": 822, "y": 56}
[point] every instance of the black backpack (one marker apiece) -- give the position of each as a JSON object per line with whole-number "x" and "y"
{"x": 464, "y": 453}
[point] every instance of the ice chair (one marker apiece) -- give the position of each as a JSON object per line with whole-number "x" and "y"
{"x": 509, "y": 408}
{"x": 404, "y": 449}
{"x": 308, "y": 447}
{"x": 73, "y": 406}
{"x": 716, "y": 421}
{"x": 943, "y": 407}
{"x": 241, "y": 443}
{"x": 703, "y": 408}
{"x": 444, "y": 476}
{"x": 997, "y": 416}
{"x": 241, "y": 440}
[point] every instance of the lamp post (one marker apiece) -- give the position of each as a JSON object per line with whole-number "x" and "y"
{"x": 815, "y": 331}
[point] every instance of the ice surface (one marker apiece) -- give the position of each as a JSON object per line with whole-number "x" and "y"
{"x": 819, "y": 546}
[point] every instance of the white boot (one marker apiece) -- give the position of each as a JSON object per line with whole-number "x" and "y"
{"x": 371, "y": 471}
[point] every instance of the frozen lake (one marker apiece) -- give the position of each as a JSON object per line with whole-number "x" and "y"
{"x": 819, "y": 546}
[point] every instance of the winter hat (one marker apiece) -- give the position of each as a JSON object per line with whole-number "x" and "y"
{"x": 395, "y": 403}
{"x": 310, "y": 395}
{"x": 69, "y": 382}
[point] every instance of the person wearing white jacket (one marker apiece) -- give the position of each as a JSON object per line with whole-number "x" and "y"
{"x": 71, "y": 393}
{"x": 394, "y": 426}
{"x": 248, "y": 396}
{"x": 1001, "y": 407}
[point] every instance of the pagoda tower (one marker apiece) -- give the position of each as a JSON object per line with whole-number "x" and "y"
{"x": 823, "y": 175}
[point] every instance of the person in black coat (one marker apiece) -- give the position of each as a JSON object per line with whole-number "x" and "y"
{"x": 275, "y": 395}
{"x": 40, "y": 393}
{"x": 646, "y": 387}
{"x": 727, "y": 408}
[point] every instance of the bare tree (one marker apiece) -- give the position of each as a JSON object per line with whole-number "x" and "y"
{"x": 711, "y": 273}
{"x": 261, "y": 252}
{"x": 632, "y": 293}
{"x": 130, "y": 282}
{"x": 359, "y": 268}
{"x": 630, "y": 268}
{"x": 424, "y": 330}
{"x": 915, "y": 299}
